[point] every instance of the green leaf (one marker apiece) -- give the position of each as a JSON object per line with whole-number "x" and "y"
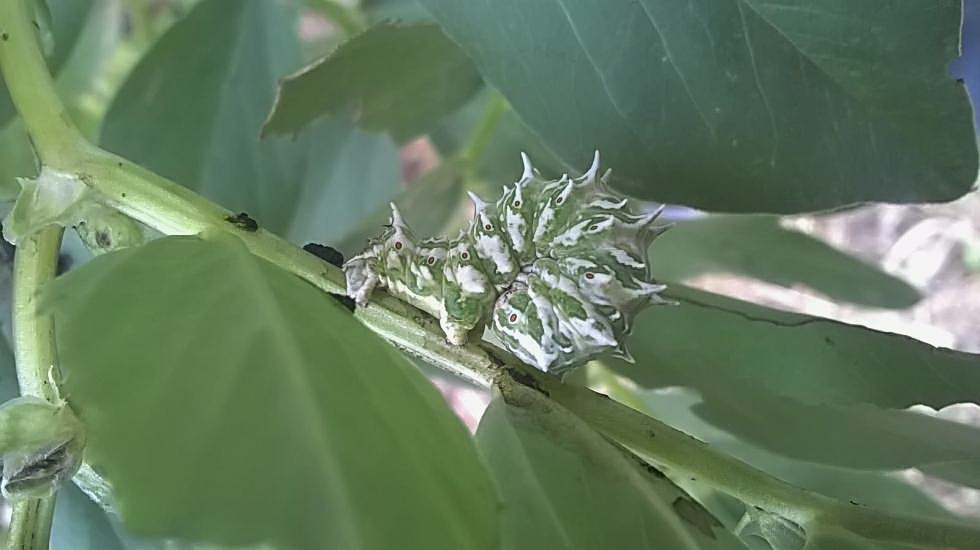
{"x": 351, "y": 175}
{"x": 882, "y": 490}
{"x": 397, "y": 78}
{"x": 737, "y": 106}
{"x": 266, "y": 413}
{"x": 192, "y": 109}
{"x": 565, "y": 486}
{"x": 808, "y": 388}
{"x": 811, "y": 359}
{"x": 757, "y": 246}
{"x": 67, "y": 21}
{"x": 427, "y": 205}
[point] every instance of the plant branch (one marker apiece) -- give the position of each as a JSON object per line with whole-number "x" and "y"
{"x": 35, "y": 263}
{"x": 173, "y": 209}
{"x": 55, "y": 136}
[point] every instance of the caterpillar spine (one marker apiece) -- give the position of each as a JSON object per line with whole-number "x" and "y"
{"x": 556, "y": 268}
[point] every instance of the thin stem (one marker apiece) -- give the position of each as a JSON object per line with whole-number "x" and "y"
{"x": 479, "y": 138}
{"x": 24, "y": 533}
{"x": 55, "y": 136}
{"x": 35, "y": 263}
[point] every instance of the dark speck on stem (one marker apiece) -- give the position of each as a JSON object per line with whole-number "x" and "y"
{"x": 243, "y": 221}
{"x": 326, "y": 253}
{"x": 345, "y": 301}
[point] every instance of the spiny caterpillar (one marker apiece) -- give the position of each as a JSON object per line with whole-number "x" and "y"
{"x": 556, "y": 267}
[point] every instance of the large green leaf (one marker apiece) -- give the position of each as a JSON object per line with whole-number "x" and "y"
{"x": 811, "y": 359}
{"x": 757, "y": 246}
{"x": 193, "y": 107}
{"x": 738, "y": 106}
{"x": 564, "y": 486}
{"x": 397, "y": 78}
{"x": 809, "y": 388}
{"x": 878, "y": 489}
{"x": 229, "y": 401}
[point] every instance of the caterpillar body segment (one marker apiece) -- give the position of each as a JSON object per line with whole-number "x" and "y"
{"x": 555, "y": 268}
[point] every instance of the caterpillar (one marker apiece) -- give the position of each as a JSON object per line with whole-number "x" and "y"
{"x": 556, "y": 268}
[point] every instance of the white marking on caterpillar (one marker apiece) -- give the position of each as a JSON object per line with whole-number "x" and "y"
{"x": 556, "y": 268}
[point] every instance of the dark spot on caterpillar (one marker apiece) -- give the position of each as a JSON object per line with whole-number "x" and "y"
{"x": 513, "y": 317}
{"x": 119, "y": 164}
{"x": 123, "y": 195}
{"x": 346, "y": 301}
{"x": 326, "y": 253}
{"x": 652, "y": 433}
{"x": 430, "y": 260}
{"x": 589, "y": 275}
{"x": 560, "y": 200}
{"x": 696, "y": 515}
{"x": 103, "y": 239}
{"x": 855, "y": 503}
{"x": 488, "y": 227}
{"x": 5, "y": 37}
{"x": 517, "y": 204}
{"x": 694, "y": 479}
{"x": 243, "y": 221}
{"x": 526, "y": 379}
{"x": 398, "y": 245}
{"x": 465, "y": 255}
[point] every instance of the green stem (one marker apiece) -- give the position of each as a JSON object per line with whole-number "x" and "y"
{"x": 35, "y": 263}
{"x": 55, "y": 136}
{"x": 27, "y": 516}
{"x": 484, "y": 129}
{"x": 173, "y": 209}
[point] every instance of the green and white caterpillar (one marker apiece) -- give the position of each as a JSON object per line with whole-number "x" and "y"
{"x": 556, "y": 268}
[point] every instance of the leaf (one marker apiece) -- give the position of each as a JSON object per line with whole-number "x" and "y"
{"x": 67, "y": 21}
{"x": 266, "y": 413}
{"x": 564, "y": 486}
{"x": 397, "y": 78}
{"x": 807, "y": 388}
{"x": 356, "y": 174}
{"x": 192, "y": 109}
{"x": 742, "y": 106}
{"x": 757, "y": 246}
{"x": 811, "y": 359}
{"x": 882, "y": 490}
{"x": 428, "y": 204}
